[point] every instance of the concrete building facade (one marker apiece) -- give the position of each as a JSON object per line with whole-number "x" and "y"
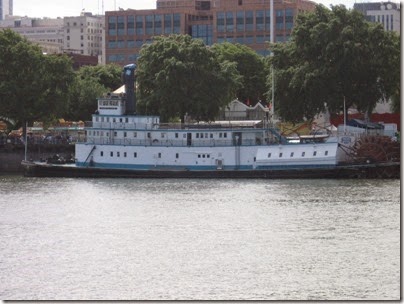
{"x": 386, "y": 13}
{"x": 84, "y": 35}
{"x": 46, "y": 32}
{"x": 6, "y": 8}
{"x": 246, "y": 22}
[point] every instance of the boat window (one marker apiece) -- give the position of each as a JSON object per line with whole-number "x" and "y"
{"x": 201, "y": 135}
{"x": 220, "y": 135}
{"x": 115, "y": 133}
{"x": 102, "y": 153}
{"x": 225, "y": 135}
{"x": 134, "y": 134}
{"x": 326, "y": 153}
{"x": 280, "y": 154}
{"x": 148, "y": 135}
{"x": 269, "y": 155}
{"x": 107, "y": 133}
{"x": 176, "y": 155}
{"x": 124, "y": 134}
{"x": 314, "y": 153}
{"x": 197, "y": 135}
{"x": 159, "y": 155}
{"x": 255, "y": 158}
{"x": 120, "y": 119}
{"x": 162, "y": 135}
{"x": 135, "y": 154}
{"x": 206, "y": 135}
{"x": 291, "y": 154}
{"x": 102, "y": 119}
{"x": 124, "y": 154}
{"x": 113, "y": 119}
{"x": 126, "y": 119}
{"x": 176, "y": 135}
{"x": 117, "y": 154}
{"x": 203, "y": 155}
{"x": 303, "y": 153}
{"x": 199, "y": 156}
{"x": 111, "y": 153}
{"x": 211, "y": 135}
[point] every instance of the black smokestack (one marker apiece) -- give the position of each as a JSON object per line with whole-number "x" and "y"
{"x": 129, "y": 78}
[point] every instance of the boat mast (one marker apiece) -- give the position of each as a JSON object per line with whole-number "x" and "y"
{"x": 272, "y": 68}
{"x": 26, "y": 142}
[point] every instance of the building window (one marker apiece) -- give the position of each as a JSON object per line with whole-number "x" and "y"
{"x": 117, "y": 154}
{"x": 135, "y": 154}
{"x": 111, "y": 153}
{"x": 124, "y": 154}
{"x": 176, "y": 155}
{"x": 249, "y": 21}
{"x": 130, "y": 25}
{"x": 102, "y": 153}
{"x": 139, "y": 25}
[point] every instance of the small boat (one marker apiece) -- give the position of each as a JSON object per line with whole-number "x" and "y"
{"x": 120, "y": 143}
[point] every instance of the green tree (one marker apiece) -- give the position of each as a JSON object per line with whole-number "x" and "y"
{"x": 108, "y": 75}
{"x": 334, "y": 55}
{"x": 250, "y": 65}
{"x": 178, "y": 75}
{"x": 89, "y": 84}
{"x": 33, "y": 86}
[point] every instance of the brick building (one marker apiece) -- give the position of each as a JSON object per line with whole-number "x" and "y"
{"x": 214, "y": 21}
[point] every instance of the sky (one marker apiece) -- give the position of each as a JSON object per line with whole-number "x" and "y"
{"x": 63, "y": 8}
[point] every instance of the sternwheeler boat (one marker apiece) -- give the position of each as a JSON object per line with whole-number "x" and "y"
{"x": 120, "y": 143}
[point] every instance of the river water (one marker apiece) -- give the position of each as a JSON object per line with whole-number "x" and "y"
{"x": 149, "y": 239}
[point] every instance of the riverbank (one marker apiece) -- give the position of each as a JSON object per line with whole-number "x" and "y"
{"x": 12, "y": 155}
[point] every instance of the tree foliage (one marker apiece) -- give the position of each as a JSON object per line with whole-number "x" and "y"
{"x": 334, "y": 55}
{"x": 33, "y": 86}
{"x": 251, "y": 67}
{"x": 90, "y": 83}
{"x": 178, "y": 75}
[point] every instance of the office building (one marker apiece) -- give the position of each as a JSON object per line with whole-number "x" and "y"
{"x": 386, "y": 13}
{"x": 6, "y": 8}
{"x": 46, "y": 32}
{"x": 246, "y": 22}
{"x": 84, "y": 35}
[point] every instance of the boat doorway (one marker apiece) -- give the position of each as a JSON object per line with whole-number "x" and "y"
{"x": 189, "y": 139}
{"x": 237, "y": 138}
